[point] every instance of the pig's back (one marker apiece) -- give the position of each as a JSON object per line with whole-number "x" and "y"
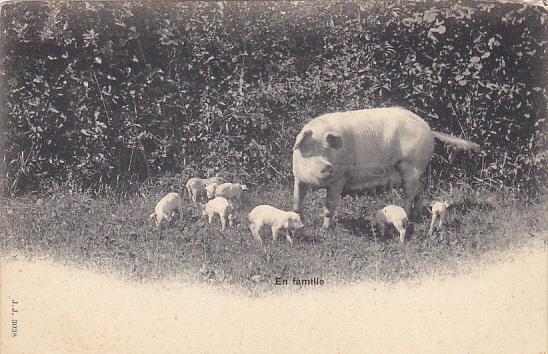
{"x": 365, "y": 120}
{"x": 265, "y": 212}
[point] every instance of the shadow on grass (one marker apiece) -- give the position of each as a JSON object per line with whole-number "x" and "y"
{"x": 362, "y": 228}
{"x": 307, "y": 237}
{"x": 359, "y": 227}
{"x": 466, "y": 206}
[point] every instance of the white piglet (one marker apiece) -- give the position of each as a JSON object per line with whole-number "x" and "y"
{"x": 392, "y": 215}
{"x": 197, "y": 187}
{"x": 219, "y": 206}
{"x": 438, "y": 212}
{"x": 231, "y": 191}
{"x": 266, "y": 215}
{"x": 165, "y": 209}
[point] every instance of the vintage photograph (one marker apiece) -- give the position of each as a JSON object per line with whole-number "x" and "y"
{"x": 331, "y": 176}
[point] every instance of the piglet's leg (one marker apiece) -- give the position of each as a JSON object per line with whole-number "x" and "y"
{"x": 402, "y": 234}
{"x": 255, "y": 231}
{"x": 432, "y": 225}
{"x": 440, "y": 224}
{"x": 288, "y": 237}
{"x": 274, "y": 233}
{"x": 223, "y": 221}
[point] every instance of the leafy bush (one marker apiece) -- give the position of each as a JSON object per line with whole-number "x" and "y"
{"x": 100, "y": 92}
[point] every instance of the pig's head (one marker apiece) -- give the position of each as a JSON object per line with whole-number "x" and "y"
{"x": 318, "y": 152}
{"x": 154, "y": 218}
{"x": 210, "y": 189}
{"x": 293, "y": 222}
{"x": 379, "y": 217}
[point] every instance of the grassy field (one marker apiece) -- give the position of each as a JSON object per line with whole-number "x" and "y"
{"x": 113, "y": 233}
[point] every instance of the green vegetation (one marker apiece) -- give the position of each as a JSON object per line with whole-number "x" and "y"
{"x": 113, "y": 233}
{"x": 103, "y": 92}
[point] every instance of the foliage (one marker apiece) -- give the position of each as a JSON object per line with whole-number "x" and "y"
{"x": 98, "y": 92}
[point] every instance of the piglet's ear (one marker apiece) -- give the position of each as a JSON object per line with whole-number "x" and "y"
{"x": 286, "y": 221}
{"x": 301, "y": 138}
{"x": 333, "y": 140}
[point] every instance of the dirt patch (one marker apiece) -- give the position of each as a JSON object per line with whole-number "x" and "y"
{"x": 500, "y": 308}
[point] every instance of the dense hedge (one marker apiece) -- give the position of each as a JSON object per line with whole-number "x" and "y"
{"x": 98, "y": 92}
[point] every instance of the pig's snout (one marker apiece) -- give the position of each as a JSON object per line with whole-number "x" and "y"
{"x": 327, "y": 171}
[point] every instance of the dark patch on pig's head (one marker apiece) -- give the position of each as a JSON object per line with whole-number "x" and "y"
{"x": 301, "y": 140}
{"x": 333, "y": 140}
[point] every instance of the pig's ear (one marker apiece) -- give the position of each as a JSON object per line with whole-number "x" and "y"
{"x": 333, "y": 140}
{"x": 286, "y": 221}
{"x": 301, "y": 137}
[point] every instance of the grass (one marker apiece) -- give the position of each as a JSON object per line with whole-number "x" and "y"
{"x": 112, "y": 233}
